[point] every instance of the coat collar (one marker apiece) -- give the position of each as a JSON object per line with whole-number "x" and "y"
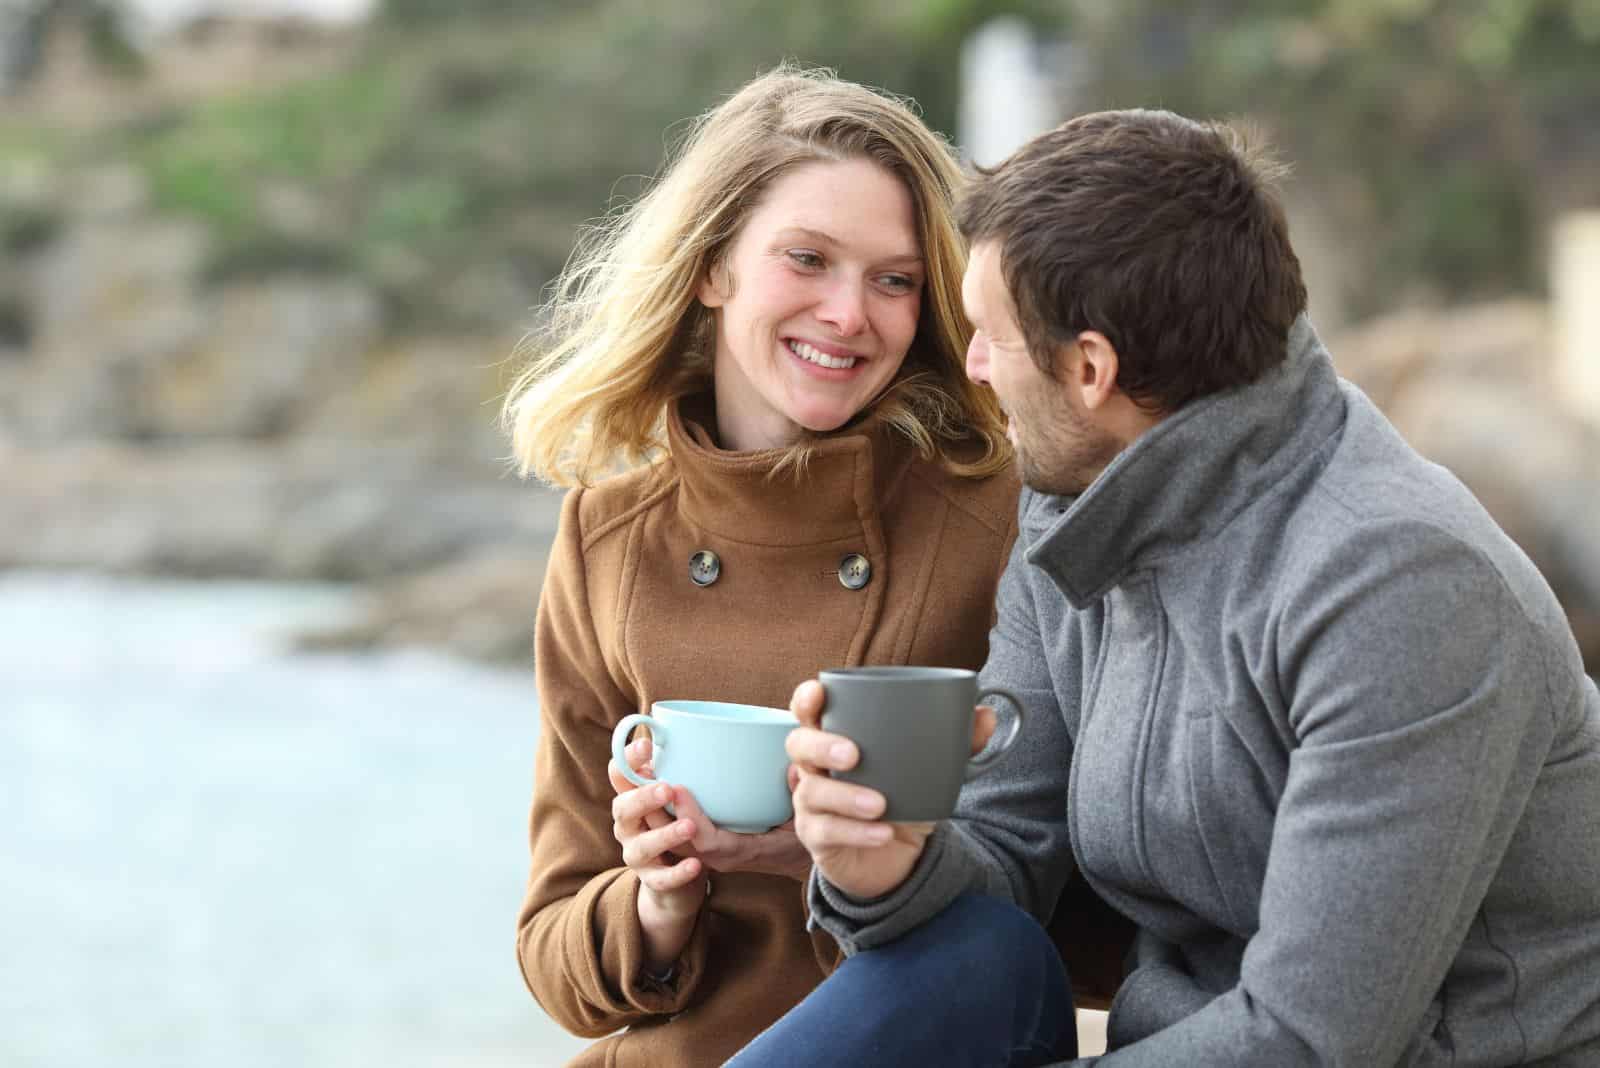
{"x": 733, "y": 494}
{"x": 1189, "y": 476}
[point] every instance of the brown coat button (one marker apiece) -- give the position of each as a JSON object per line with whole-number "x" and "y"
{"x": 704, "y": 567}
{"x": 854, "y": 571}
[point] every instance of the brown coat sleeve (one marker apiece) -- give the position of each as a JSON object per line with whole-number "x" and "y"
{"x": 578, "y": 937}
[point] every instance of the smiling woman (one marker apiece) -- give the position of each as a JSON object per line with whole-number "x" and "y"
{"x": 773, "y": 337}
{"x": 634, "y": 325}
{"x": 813, "y": 326}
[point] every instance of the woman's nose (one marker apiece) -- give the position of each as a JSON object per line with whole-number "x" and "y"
{"x": 844, "y": 308}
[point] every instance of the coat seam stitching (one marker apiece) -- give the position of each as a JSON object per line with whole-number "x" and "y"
{"x": 924, "y": 583}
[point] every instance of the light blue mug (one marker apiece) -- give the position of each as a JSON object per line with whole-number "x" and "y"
{"x": 729, "y": 756}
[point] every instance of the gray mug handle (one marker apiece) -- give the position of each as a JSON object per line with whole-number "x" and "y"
{"x": 619, "y": 742}
{"x": 1011, "y": 728}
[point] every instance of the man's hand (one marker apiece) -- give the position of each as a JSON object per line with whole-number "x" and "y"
{"x": 838, "y": 821}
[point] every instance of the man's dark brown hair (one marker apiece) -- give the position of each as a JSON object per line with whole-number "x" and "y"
{"x": 1164, "y": 234}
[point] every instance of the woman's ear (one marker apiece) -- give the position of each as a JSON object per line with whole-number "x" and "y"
{"x": 715, "y": 285}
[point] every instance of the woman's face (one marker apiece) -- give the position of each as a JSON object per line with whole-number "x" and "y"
{"x": 816, "y": 303}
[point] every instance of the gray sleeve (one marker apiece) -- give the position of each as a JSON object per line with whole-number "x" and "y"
{"x": 1417, "y": 693}
{"x": 1009, "y": 834}
{"x": 1155, "y": 995}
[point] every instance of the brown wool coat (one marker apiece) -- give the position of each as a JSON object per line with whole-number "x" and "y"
{"x": 621, "y": 625}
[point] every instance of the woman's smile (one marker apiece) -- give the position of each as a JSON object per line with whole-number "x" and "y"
{"x": 824, "y": 358}
{"x": 816, "y": 303}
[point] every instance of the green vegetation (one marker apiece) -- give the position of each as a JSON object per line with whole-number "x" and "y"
{"x": 482, "y": 133}
{"x": 1444, "y": 134}
{"x": 456, "y": 140}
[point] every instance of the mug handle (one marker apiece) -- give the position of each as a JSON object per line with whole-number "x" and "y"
{"x": 619, "y": 742}
{"x": 1012, "y": 727}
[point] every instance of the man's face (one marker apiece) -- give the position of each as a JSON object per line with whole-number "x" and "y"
{"x": 1060, "y": 447}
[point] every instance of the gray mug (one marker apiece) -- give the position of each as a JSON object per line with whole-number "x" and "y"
{"x": 913, "y": 726}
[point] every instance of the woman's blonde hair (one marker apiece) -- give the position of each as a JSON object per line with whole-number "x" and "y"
{"x": 624, "y": 333}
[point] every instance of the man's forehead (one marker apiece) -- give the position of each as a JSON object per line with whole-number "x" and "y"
{"x": 984, "y": 286}
{"x": 979, "y": 257}
{"x": 969, "y": 286}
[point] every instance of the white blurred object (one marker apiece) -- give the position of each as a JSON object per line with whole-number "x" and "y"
{"x": 1007, "y": 96}
{"x": 159, "y": 15}
{"x": 1091, "y": 1033}
{"x": 1575, "y": 308}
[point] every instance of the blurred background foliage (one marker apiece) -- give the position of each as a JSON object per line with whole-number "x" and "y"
{"x": 484, "y": 130}
{"x": 1441, "y": 133}
{"x": 1446, "y": 132}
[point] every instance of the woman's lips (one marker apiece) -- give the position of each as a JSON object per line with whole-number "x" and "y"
{"x": 830, "y": 360}
{"x": 822, "y": 355}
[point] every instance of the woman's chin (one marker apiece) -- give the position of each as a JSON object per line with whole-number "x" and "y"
{"x": 823, "y": 415}
{"x": 822, "y": 422}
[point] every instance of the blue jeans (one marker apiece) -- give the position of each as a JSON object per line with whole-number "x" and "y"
{"x": 979, "y": 984}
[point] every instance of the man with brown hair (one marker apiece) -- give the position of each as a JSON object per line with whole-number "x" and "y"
{"x": 1296, "y": 706}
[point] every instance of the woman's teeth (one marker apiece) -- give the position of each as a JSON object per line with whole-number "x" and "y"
{"x": 806, "y": 352}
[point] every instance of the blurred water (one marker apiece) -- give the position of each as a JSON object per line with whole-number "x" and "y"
{"x": 213, "y": 851}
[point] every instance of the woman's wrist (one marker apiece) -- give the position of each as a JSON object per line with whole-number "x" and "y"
{"x": 797, "y": 868}
{"x": 668, "y": 924}
{"x": 789, "y": 857}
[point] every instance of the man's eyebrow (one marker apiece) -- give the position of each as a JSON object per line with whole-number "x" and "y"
{"x": 824, "y": 238}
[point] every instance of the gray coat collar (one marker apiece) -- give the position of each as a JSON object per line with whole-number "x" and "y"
{"x": 1188, "y": 476}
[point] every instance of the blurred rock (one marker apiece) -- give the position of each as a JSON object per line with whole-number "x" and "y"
{"x": 126, "y": 347}
{"x": 108, "y": 306}
{"x": 442, "y": 395}
{"x": 293, "y": 209}
{"x": 487, "y": 293}
{"x": 1474, "y": 389}
{"x": 109, "y": 192}
{"x": 360, "y": 512}
{"x": 100, "y": 276}
{"x": 1504, "y": 341}
{"x": 482, "y": 608}
{"x": 156, "y": 420}
{"x": 270, "y": 352}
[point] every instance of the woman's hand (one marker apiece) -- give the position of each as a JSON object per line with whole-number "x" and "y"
{"x": 672, "y": 884}
{"x": 774, "y": 852}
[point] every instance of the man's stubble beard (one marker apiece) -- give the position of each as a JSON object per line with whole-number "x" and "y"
{"x": 1065, "y": 459}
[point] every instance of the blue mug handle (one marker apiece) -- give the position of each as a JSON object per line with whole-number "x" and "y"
{"x": 992, "y": 752}
{"x": 658, "y": 738}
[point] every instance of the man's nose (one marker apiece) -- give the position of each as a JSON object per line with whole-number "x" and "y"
{"x": 978, "y": 360}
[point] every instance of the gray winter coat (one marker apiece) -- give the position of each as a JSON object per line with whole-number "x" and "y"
{"x": 1301, "y": 710}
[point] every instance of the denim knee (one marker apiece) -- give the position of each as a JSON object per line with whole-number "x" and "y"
{"x": 982, "y": 935}
{"x": 997, "y": 971}
{"x": 979, "y": 984}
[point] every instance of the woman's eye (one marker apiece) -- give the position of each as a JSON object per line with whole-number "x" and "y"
{"x": 805, "y": 257}
{"x": 897, "y": 283}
